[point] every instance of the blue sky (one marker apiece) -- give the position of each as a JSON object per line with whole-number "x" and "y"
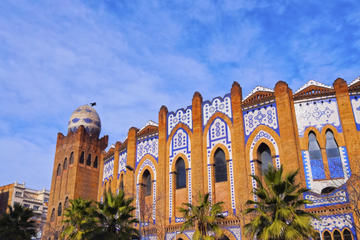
{"x": 131, "y": 57}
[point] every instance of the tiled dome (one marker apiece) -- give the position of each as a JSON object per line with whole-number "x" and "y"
{"x": 86, "y": 116}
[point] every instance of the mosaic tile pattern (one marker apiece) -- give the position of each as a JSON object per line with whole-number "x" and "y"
{"x": 355, "y": 103}
{"x": 218, "y": 104}
{"x": 122, "y": 162}
{"x": 108, "y": 169}
{"x": 86, "y": 116}
{"x": 332, "y": 222}
{"x": 180, "y": 116}
{"x": 147, "y": 146}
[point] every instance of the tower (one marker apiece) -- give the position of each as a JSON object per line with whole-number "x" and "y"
{"x": 76, "y": 166}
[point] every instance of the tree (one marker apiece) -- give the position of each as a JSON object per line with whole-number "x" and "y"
{"x": 203, "y": 218}
{"x": 278, "y": 208}
{"x": 17, "y": 224}
{"x": 115, "y": 219}
{"x": 79, "y": 219}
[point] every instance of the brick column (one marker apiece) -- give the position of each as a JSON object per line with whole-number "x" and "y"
{"x": 115, "y": 182}
{"x": 351, "y": 135}
{"x": 162, "y": 170}
{"x": 198, "y": 164}
{"x": 289, "y": 147}
{"x": 129, "y": 178}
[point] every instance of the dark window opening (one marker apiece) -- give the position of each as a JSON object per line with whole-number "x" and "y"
{"x": 58, "y": 171}
{"x": 88, "y": 160}
{"x": 146, "y": 180}
{"x": 337, "y": 235}
{"x": 316, "y": 162}
{"x": 333, "y": 156}
{"x": 264, "y": 156}
{"x": 317, "y": 236}
{"x": 65, "y": 164}
{"x": 327, "y": 235}
{"x": 66, "y": 203}
{"x": 220, "y": 166}
{"x": 122, "y": 182}
{"x": 347, "y": 235}
{"x": 81, "y": 157}
{"x": 59, "y": 209}
{"x": 71, "y": 157}
{"x": 328, "y": 190}
{"x": 95, "y": 164}
{"x": 180, "y": 173}
{"x": 52, "y": 218}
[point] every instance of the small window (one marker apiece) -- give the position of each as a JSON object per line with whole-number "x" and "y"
{"x": 180, "y": 173}
{"x": 18, "y": 194}
{"x": 88, "y": 160}
{"x": 59, "y": 209}
{"x": 65, "y": 164}
{"x": 36, "y": 207}
{"x": 66, "y": 203}
{"x": 337, "y": 235}
{"x": 122, "y": 182}
{"x": 58, "y": 171}
{"x": 146, "y": 179}
{"x": 264, "y": 156}
{"x": 328, "y": 190}
{"x": 81, "y": 157}
{"x": 71, "y": 157}
{"x": 110, "y": 184}
{"x": 220, "y": 166}
{"x": 27, "y": 205}
{"x": 347, "y": 235}
{"x": 52, "y": 218}
{"x": 95, "y": 164}
{"x": 327, "y": 235}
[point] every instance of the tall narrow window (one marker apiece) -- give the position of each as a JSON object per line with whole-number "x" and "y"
{"x": 95, "y": 164}
{"x": 66, "y": 203}
{"x": 71, "y": 157}
{"x": 220, "y": 166}
{"x": 180, "y": 173}
{"x": 58, "y": 171}
{"x": 316, "y": 162}
{"x": 146, "y": 180}
{"x": 52, "y": 218}
{"x": 264, "y": 156}
{"x": 65, "y": 164}
{"x": 122, "y": 182}
{"x": 88, "y": 160}
{"x": 82, "y": 157}
{"x": 59, "y": 209}
{"x": 327, "y": 235}
{"x": 347, "y": 235}
{"x": 337, "y": 235}
{"x": 333, "y": 156}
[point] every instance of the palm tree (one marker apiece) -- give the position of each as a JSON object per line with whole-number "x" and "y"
{"x": 279, "y": 210}
{"x": 79, "y": 220}
{"x": 115, "y": 219}
{"x": 203, "y": 217}
{"x": 17, "y": 224}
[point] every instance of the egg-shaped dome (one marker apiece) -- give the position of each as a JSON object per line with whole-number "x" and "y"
{"x": 86, "y": 116}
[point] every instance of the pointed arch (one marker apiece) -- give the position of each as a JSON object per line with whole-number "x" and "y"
{"x": 65, "y": 164}
{"x": 315, "y": 156}
{"x": 88, "y": 160}
{"x": 333, "y": 156}
{"x": 58, "y": 170}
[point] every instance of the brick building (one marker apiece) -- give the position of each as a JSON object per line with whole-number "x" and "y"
{"x": 37, "y": 200}
{"x": 213, "y": 146}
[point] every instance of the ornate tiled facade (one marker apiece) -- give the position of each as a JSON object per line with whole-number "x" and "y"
{"x": 315, "y": 129}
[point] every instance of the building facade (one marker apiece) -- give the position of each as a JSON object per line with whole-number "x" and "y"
{"x": 214, "y": 146}
{"x": 37, "y": 200}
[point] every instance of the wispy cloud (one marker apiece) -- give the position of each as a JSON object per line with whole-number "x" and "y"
{"x": 134, "y": 56}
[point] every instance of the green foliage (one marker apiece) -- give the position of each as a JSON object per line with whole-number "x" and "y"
{"x": 115, "y": 219}
{"x": 279, "y": 210}
{"x": 79, "y": 220}
{"x": 112, "y": 219}
{"x": 203, "y": 218}
{"x": 17, "y": 224}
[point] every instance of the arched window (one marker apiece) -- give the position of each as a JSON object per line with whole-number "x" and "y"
{"x": 336, "y": 235}
{"x": 328, "y": 190}
{"x": 71, "y": 158}
{"x": 121, "y": 182}
{"x": 95, "y": 163}
{"x": 110, "y": 185}
{"x": 327, "y": 235}
{"x": 146, "y": 180}
{"x": 52, "y": 218}
{"x": 264, "y": 156}
{"x": 65, "y": 164}
{"x": 220, "y": 166}
{"x": 347, "y": 235}
{"x": 316, "y": 162}
{"x": 66, "y": 203}
{"x": 180, "y": 173}
{"x": 59, "y": 209}
{"x": 333, "y": 156}
{"x": 82, "y": 157}
{"x": 58, "y": 171}
{"x": 88, "y": 160}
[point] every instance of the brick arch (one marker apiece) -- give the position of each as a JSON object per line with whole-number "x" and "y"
{"x": 146, "y": 157}
{"x": 174, "y": 130}
{"x": 339, "y": 137}
{"x": 317, "y": 133}
{"x": 268, "y": 143}
{"x": 229, "y": 234}
{"x": 177, "y": 156}
{"x": 213, "y": 117}
{"x": 346, "y": 228}
{"x": 181, "y": 235}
